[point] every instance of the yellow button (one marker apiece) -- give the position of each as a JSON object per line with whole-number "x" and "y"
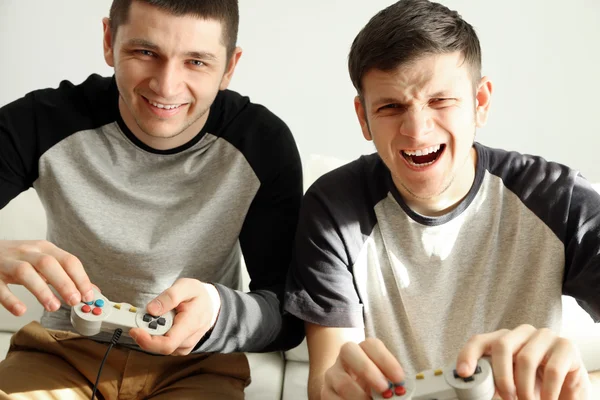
{"x": 438, "y": 372}
{"x": 420, "y": 376}
{"x": 133, "y": 309}
{"x": 118, "y": 306}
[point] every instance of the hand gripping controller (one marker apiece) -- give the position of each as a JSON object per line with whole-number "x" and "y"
{"x": 101, "y": 314}
{"x": 444, "y": 384}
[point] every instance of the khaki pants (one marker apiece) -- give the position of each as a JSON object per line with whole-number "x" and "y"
{"x": 46, "y": 364}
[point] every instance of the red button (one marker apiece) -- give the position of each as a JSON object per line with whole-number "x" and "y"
{"x": 400, "y": 390}
{"x": 86, "y": 308}
{"x": 97, "y": 311}
{"x": 387, "y": 394}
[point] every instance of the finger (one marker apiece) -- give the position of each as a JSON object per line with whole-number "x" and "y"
{"x": 141, "y": 337}
{"x": 153, "y": 343}
{"x": 25, "y": 274}
{"x": 503, "y": 351}
{"x": 10, "y": 301}
{"x": 476, "y": 347}
{"x": 562, "y": 359}
{"x": 49, "y": 267}
{"x": 576, "y": 385}
{"x": 74, "y": 269}
{"x": 353, "y": 359}
{"x": 338, "y": 382}
{"x": 383, "y": 359}
{"x": 156, "y": 344}
{"x": 529, "y": 358}
{"x": 328, "y": 394}
{"x": 182, "y": 290}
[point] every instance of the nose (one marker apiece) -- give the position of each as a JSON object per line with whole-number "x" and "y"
{"x": 167, "y": 80}
{"x": 416, "y": 123}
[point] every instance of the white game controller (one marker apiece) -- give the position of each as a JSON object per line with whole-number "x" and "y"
{"x": 102, "y": 315}
{"x": 445, "y": 384}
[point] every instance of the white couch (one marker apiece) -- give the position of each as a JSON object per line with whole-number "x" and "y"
{"x": 274, "y": 376}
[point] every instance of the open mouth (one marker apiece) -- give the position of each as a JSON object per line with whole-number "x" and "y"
{"x": 423, "y": 157}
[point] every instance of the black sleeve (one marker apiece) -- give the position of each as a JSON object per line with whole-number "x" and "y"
{"x": 336, "y": 219}
{"x": 18, "y": 143}
{"x": 254, "y": 321}
{"x": 582, "y": 248}
{"x": 320, "y": 287}
{"x": 33, "y": 124}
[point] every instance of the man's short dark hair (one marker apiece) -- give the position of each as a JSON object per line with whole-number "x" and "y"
{"x": 408, "y": 30}
{"x": 224, "y": 11}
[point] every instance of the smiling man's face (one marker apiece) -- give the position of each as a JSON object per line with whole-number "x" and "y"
{"x": 422, "y": 119}
{"x": 169, "y": 70}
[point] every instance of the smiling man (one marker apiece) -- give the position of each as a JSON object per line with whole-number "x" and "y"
{"x": 438, "y": 249}
{"x": 156, "y": 182}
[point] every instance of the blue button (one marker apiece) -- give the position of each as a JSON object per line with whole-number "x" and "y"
{"x": 99, "y": 303}
{"x": 89, "y": 303}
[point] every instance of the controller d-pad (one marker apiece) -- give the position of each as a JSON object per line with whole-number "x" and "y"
{"x": 161, "y": 321}
{"x": 469, "y": 378}
{"x": 147, "y": 318}
{"x": 153, "y": 325}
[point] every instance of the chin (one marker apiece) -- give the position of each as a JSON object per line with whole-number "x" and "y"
{"x": 421, "y": 193}
{"x": 160, "y": 132}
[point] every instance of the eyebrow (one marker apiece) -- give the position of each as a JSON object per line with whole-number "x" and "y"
{"x": 441, "y": 93}
{"x": 204, "y": 55}
{"x": 387, "y": 100}
{"x": 390, "y": 100}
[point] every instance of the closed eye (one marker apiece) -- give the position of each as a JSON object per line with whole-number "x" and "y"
{"x": 441, "y": 102}
{"x": 390, "y": 106}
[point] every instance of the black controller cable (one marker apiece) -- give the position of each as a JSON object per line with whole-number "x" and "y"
{"x": 115, "y": 338}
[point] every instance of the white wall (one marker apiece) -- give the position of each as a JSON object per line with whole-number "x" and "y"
{"x": 542, "y": 55}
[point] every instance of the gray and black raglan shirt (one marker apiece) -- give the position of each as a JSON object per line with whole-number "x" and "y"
{"x": 527, "y": 232}
{"x": 139, "y": 218}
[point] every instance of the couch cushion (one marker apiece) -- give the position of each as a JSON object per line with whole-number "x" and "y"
{"x": 266, "y": 371}
{"x": 298, "y": 353}
{"x": 295, "y": 381}
{"x": 4, "y": 343}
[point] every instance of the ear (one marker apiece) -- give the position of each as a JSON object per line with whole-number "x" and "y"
{"x": 483, "y": 99}
{"x": 361, "y": 113}
{"x": 108, "y": 43}
{"x": 235, "y": 57}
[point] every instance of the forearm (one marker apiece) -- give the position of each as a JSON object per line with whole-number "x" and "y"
{"x": 252, "y": 322}
{"x": 315, "y": 384}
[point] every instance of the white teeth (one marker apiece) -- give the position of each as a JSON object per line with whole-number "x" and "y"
{"x": 165, "y": 106}
{"x": 422, "y": 152}
{"x": 420, "y": 165}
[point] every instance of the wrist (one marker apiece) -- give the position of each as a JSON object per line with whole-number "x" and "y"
{"x": 215, "y": 300}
